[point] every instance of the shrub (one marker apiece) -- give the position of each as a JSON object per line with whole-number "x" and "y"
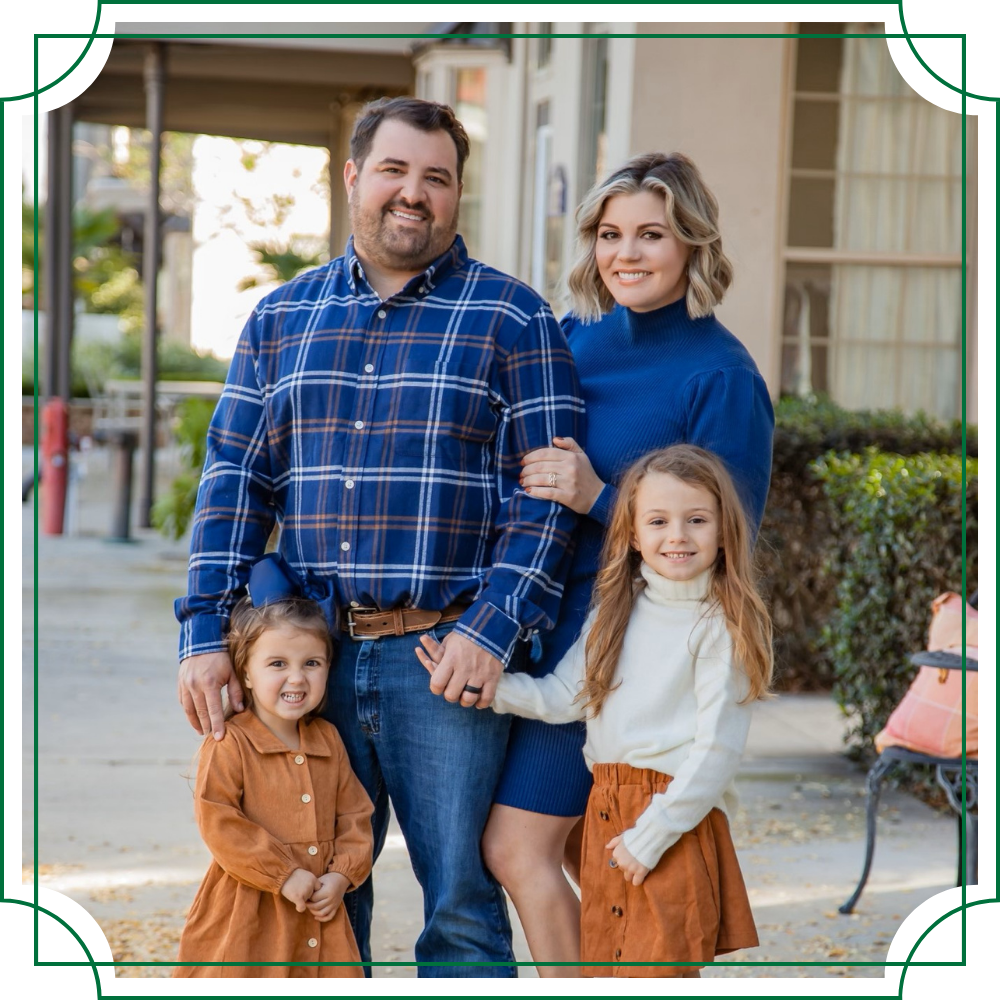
{"x": 897, "y": 521}
{"x": 172, "y": 513}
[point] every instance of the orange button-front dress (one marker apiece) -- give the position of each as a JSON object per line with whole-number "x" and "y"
{"x": 264, "y": 810}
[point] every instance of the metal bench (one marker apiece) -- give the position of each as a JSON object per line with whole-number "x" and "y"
{"x": 949, "y": 772}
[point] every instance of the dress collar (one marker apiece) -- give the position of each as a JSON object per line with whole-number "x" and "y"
{"x": 263, "y": 740}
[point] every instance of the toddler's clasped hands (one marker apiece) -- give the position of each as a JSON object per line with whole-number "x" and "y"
{"x": 320, "y": 895}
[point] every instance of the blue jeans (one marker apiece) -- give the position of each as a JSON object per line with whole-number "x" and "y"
{"x": 439, "y": 764}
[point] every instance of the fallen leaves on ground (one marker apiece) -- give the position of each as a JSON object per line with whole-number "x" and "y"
{"x": 154, "y": 939}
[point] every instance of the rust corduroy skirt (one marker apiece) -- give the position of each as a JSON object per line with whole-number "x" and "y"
{"x": 691, "y": 907}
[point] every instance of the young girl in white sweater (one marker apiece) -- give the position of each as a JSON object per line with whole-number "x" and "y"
{"x": 673, "y": 654}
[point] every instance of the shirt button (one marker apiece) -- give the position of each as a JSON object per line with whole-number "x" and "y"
{"x": 616, "y": 910}
{"x": 348, "y": 484}
{"x": 313, "y": 850}
{"x": 299, "y": 759}
{"x": 423, "y": 288}
{"x": 345, "y": 546}
{"x": 369, "y": 368}
{"x": 604, "y": 816}
{"x": 312, "y": 942}
{"x": 358, "y": 424}
{"x": 381, "y": 314}
{"x": 307, "y": 797}
{"x": 355, "y": 604}
{"x": 618, "y": 953}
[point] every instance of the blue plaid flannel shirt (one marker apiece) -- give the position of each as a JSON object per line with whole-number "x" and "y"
{"x": 386, "y": 439}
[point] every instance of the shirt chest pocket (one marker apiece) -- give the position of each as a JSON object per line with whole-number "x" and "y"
{"x": 446, "y": 417}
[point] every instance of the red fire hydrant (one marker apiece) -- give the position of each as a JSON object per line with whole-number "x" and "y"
{"x": 55, "y": 464}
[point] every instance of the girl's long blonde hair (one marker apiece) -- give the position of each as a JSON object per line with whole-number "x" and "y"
{"x": 734, "y": 579}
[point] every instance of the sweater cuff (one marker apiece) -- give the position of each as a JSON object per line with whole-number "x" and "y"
{"x": 647, "y": 844}
{"x": 604, "y": 505}
{"x": 203, "y": 634}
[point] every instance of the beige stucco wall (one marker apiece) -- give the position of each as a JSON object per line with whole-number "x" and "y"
{"x": 722, "y": 101}
{"x": 981, "y": 309}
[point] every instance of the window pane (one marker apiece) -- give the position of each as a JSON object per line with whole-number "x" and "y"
{"x": 805, "y": 329}
{"x": 797, "y": 379}
{"x": 898, "y": 215}
{"x": 877, "y": 316}
{"x": 931, "y": 306}
{"x": 818, "y": 64}
{"x": 810, "y": 212}
{"x": 930, "y": 380}
{"x": 814, "y": 142}
{"x": 863, "y": 377}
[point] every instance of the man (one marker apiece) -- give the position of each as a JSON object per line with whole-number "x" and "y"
{"x": 378, "y": 409}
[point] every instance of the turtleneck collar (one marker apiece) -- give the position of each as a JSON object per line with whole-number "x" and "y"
{"x": 657, "y": 322}
{"x": 664, "y": 591}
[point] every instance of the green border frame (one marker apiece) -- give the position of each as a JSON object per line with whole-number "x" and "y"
{"x": 50, "y": 937}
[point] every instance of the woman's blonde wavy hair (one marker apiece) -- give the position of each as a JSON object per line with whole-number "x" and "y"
{"x": 734, "y": 578}
{"x": 692, "y": 213}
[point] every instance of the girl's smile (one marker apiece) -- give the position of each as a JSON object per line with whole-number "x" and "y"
{"x": 676, "y": 526}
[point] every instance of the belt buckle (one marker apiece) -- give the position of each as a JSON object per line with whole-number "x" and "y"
{"x": 350, "y": 624}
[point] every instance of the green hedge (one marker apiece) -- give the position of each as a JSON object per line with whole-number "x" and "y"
{"x": 798, "y": 540}
{"x": 898, "y": 524}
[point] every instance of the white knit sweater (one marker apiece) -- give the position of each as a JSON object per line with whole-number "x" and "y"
{"x": 676, "y": 709}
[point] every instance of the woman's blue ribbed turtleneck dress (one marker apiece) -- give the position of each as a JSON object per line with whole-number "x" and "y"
{"x": 649, "y": 380}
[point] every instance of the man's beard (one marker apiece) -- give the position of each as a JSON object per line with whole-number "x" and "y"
{"x": 408, "y": 249}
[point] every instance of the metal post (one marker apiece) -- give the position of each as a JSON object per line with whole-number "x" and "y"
{"x": 64, "y": 235}
{"x": 153, "y": 77}
{"x": 53, "y": 260}
{"x": 124, "y": 443}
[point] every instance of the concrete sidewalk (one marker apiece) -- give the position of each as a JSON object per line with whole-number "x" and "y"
{"x": 115, "y": 758}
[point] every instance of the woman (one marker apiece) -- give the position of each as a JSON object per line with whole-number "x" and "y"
{"x": 656, "y": 368}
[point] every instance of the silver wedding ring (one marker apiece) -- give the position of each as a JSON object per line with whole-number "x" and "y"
{"x": 552, "y": 479}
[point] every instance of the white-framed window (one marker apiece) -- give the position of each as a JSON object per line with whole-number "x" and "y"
{"x": 873, "y": 243}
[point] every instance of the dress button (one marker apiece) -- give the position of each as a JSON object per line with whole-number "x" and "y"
{"x": 313, "y": 849}
{"x": 345, "y": 546}
{"x": 369, "y": 369}
{"x": 423, "y": 288}
{"x": 299, "y": 759}
{"x": 604, "y": 816}
{"x": 355, "y": 604}
{"x": 312, "y": 942}
{"x": 381, "y": 314}
{"x": 618, "y": 953}
{"x": 307, "y": 797}
{"x": 617, "y": 911}
{"x": 358, "y": 424}
{"x": 348, "y": 484}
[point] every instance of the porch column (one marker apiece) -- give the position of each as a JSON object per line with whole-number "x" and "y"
{"x": 154, "y": 82}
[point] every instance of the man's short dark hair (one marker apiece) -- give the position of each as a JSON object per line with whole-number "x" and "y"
{"x": 427, "y": 116}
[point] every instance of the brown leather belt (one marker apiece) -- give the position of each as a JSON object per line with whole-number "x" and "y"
{"x": 370, "y": 623}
